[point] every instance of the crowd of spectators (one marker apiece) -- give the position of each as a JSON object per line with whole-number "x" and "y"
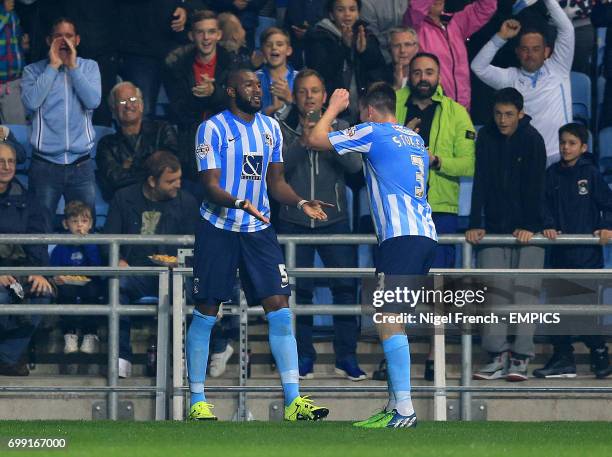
{"x": 70, "y": 65}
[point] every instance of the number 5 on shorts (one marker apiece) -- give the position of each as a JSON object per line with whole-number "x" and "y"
{"x": 283, "y": 273}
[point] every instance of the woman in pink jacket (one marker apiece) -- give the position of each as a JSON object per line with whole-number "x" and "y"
{"x": 444, "y": 35}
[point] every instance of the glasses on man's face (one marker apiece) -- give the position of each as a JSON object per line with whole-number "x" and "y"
{"x": 8, "y": 163}
{"x": 131, "y": 101}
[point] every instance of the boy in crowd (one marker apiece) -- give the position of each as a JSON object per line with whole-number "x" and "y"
{"x": 277, "y": 75}
{"x": 577, "y": 200}
{"x": 506, "y": 199}
{"x": 78, "y": 220}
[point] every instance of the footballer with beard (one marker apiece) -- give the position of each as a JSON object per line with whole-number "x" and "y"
{"x": 240, "y": 163}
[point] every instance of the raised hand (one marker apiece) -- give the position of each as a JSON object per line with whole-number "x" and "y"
{"x": 280, "y": 89}
{"x": 179, "y": 19}
{"x": 509, "y": 29}
{"x": 347, "y": 35}
{"x": 339, "y": 101}
{"x": 72, "y": 56}
{"x": 362, "y": 41}
{"x": 54, "y": 58}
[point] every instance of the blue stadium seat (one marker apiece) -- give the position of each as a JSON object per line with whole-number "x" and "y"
{"x": 601, "y": 86}
{"x": 101, "y": 208}
{"x": 163, "y": 103}
{"x": 465, "y": 196}
{"x": 605, "y": 152}
{"x": 601, "y": 47}
{"x": 581, "y": 96}
{"x": 22, "y": 135}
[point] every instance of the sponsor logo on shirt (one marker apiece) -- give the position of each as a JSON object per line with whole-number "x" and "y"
{"x": 252, "y": 166}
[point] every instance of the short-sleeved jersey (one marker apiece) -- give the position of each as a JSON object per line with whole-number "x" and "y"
{"x": 242, "y": 151}
{"x": 395, "y": 167}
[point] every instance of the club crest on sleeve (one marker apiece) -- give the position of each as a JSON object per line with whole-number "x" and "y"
{"x": 202, "y": 150}
{"x": 268, "y": 139}
{"x": 350, "y": 132}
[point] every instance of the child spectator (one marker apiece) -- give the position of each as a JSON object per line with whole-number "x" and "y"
{"x": 578, "y": 200}
{"x": 277, "y": 75}
{"x": 345, "y": 53}
{"x": 506, "y": 199}
{"x": 78, "y": 219}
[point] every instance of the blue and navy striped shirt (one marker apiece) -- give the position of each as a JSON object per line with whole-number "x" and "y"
{"x": 395, "y": 167}
{"x": 242, "y": 151}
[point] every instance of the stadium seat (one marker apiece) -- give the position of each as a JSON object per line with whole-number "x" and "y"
{"x": 162, "y": 106}
{"x": 465, "y": 195}
{"x": 601, "y": 86}
{"x": 605, "y": 151}
{"x": 601, "y": 47}
{"x": 581, "y": 96}
{"x": 22, "y": 135}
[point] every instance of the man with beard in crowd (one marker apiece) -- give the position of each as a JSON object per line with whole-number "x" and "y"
{"x": 449, "y": 135}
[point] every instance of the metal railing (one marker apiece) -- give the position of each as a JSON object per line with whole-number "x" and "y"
{"x": 113, "y": 310}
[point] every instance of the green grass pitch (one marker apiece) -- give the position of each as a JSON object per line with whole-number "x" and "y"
{"x": 319, "y": 439}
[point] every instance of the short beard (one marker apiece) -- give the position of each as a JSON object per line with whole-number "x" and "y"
{"x": 415, "y": 92}
{"x": 245, "y": 106}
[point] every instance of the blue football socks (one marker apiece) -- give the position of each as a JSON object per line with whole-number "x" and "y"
{"x": 397, "y": 353}
{"x": 198, "y": 340}
{"x": 284, "y": 350}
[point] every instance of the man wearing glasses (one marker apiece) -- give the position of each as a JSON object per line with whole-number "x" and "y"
{"x": 60, "y": 93}
{"x": 120, "y": 157}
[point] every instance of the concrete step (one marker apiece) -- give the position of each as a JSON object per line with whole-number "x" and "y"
{"x": 343, "y": 406}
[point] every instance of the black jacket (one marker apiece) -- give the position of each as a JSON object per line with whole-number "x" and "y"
{"x": 132, "y": 213}
{"x": 144, "y": 27}
{"x": 315, "y": 174}
{"x": 179, "y": 79}
{"x": 114, "y": 150}
{"x": 187, "y": 110}
{"x": 326, "y": 53}
{"x": 20, "y": 215}
{"x": 578, "y": 200}
{"x": 508, "y": 189}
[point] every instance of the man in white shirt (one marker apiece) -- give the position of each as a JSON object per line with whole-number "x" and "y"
{"x": 544, "y": 76}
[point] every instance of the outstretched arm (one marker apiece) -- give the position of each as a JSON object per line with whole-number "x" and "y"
{"x": 219, "y": 196}
{"x": 282, "y": 192}
{"x": 563, "y": 54}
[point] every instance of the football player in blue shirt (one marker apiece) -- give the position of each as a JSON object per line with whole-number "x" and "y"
{"x": 239, "y": 157}
{"x": 395, "y": 167}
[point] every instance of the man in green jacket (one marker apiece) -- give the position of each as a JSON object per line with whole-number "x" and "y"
{"x": 449, "y": 136}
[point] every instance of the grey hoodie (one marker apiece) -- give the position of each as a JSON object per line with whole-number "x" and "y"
{"x": 313, "y": 174}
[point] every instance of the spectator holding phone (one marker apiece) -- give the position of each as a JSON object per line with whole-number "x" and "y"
{"x": 319, "y": 175}
{"x": 300, "y": 16}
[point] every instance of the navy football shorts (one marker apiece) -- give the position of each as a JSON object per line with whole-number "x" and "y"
{"x": 405, "y": 255}
{"x": 257, "y": 256}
